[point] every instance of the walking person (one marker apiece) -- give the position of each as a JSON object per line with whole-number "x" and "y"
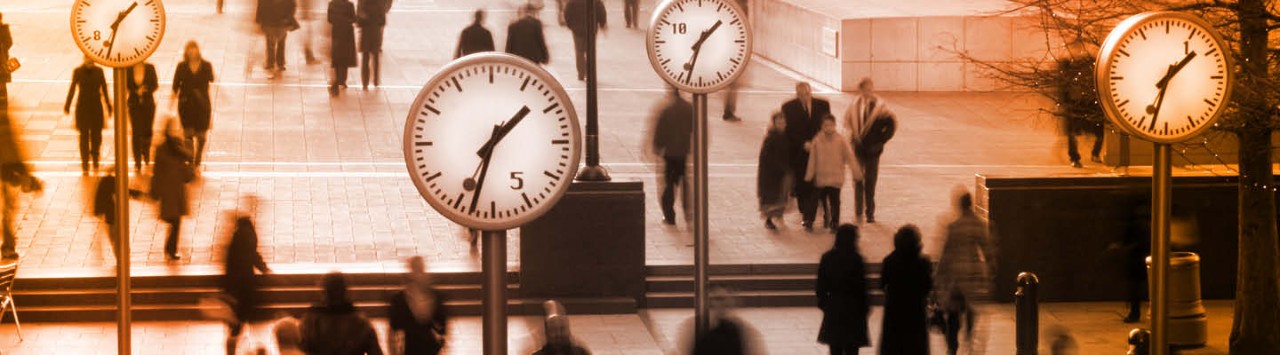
{"x": 559, "y": 338}
{"x": 90, "y": 118}
{"x": 276, "y": 19}
{"x": 631, "y": 10}
{"x": 906, "y": 277}
{"x": 829, "y": 157}
{"x": 575, "y": 16}
{"x": 195, "y": 107}
{"x": 15, "y": 177}
{"x": 342, "y": 52}
{"x": 416, "y": 314}
{"x": 871, "y": 125}
{"x": 371, "y": 16}
{"x": 241, "y": 260}
{"x": 671, "y": 140}
{"x": 104, "y": 206}
{"x": 804, "y": 119}
{"x": 169, "y": 181}
{"x": 1078, "y": 99}
{"x": 6, "y": 42}
{"x": 726, "y": 334}
{"x": 333, "y": 326}
{"x": 731, "y": 92}
{"x": 525, "y": 37}
{"x": 142, "y": 86}
{"x": 1136, "y": 245}
{"x": 475, "y": 38}
{"x": 773, "y": 174}
{"x": 964, "y": 272}
{"x": 842, "y": 294}
{"x": 307, "y": 22}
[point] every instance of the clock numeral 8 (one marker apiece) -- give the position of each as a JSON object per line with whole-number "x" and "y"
{"x": 518, "y": 183}
{"x": 679, "y": 28}
{"x": 97, "y": 35}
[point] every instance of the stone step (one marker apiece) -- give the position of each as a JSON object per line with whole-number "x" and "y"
{"x": 772, "y": 298}
{"x": 189, "y": 295}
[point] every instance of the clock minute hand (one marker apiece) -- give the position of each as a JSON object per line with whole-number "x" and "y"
{"x": 1163, "y": 85}
{"x": 1173, "y": 70}
{"x": 502, "y": 131}
{"x": 482, "y": 169}
{"x": 116, "y": 25}
{"x": 697, "y": 48}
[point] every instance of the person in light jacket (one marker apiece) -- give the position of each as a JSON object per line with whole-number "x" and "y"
{"x": 829, "y": 157}
{"x": 871, "y": 125}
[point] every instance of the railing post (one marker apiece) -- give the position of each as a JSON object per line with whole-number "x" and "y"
{"x": 1027, "y": 316}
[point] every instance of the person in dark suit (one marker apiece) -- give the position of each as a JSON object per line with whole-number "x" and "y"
{"x": 475, "y": 38}
{"x": 191, "y": 82}
{"x": 276, "y": 19}
{"x": 239, "y": 279}
{"x": 1078, "y": 100}
{"x": 804, "y": 120}
{"x": 631, "y": 10}
{"x": 169, "y": 180}
{"x": 342, "y": 15}
{"x": 525, "y": 37}
{"x": 6, "y": 42}
{"x": 371, "y": 16}
{"x": 90, "y": 119}
{"x": 871, "y": 124}
{"x": 142, "y": 87}
{"x": 575, "y": 16}
{"x": 842, "y": 294}
{"x": 671, "y": 141}
{"x": 906, "y": 277}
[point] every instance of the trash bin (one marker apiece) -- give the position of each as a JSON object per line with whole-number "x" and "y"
{"x": 1188, "y": 324}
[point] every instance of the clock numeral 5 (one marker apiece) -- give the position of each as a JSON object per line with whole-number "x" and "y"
{"x": 516, "y": 180}
{"x": 679, "y": 28}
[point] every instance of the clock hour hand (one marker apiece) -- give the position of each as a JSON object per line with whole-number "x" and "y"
{"x": 474, "y": 183}
{"x": 1163, "y": 85}
{"x": 697, "y": 47}
{"x": 1174, "y": 69}
{"x": 502, "y": 131}
{"x": 111, "y": 43}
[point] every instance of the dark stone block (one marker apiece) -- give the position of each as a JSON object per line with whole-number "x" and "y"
{"x": 590, "y": 245}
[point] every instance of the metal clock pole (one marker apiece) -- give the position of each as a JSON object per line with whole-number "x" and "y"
{"x": 593, "y": 171}
{"x": 494, "y": 267}
{"x": 1161, "y": 192}
{"x": 122, "y": 213}
{"x": 701, "y": 242}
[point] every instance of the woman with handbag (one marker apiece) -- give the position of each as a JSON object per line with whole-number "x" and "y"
{"x": 191, "y": 86}
{"x": 90, "y": 119}
{"x": 169, "y": 185}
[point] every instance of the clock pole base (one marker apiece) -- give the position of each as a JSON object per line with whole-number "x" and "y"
{"x": 593, "y": 173}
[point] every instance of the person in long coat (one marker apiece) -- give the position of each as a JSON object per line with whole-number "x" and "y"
{"x": 142, "y": 85}
{"x": 804, "y": 120}
{"x": 195, "y": 107}
{"x": 773, "y": 174}
{"x": 906, "y": 277}
{"x": 342, "y": 15}
{"x": 239, "y": 279}
{"x": 90, "y": 118}
{"x": 964, "y": 271}
{"x": 371, "y": 16}
{"x": 333, "y": 326}
{"x": 169, "y": 185}
{"x": 575, "y": 16}
{"x": 671, "y": 141}
{"x": 416, "y": 314}
{"x": 104, "y": 206}
{"x": 6, "y": 42}
{"x": 842, "y": 294}
{"x": 475, "y": 38}
{"x": 525, "y": 37}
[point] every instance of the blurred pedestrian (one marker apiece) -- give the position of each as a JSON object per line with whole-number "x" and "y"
{"x": 671, "y": 140}
{"x": 416, "y": 314}
{"x": 288, "y": 337}
{"x": 15, "y": 177}
{"x": 90, "y": 118}
{"x": 964, "y": 271}
{"x": 333, "y": 326}
{"x": 773, "y": 174}
{"x": 104, "y": 206}
{"x": 559, "y": 339}
{"x": 842, "y": 294}
{"x": 560, "y": 12}
{"x": 525, "y": 37}
{"x": 372, "y": 18}
{"x": 276, "y": 19}
{"x": 731, "y": 92}
{"x": 829, "y": 157}
{"x": 631, "y": 10}
{"x": 307, "y": 17}
{"x": 1061, "y": 342}
{"x": 804, "y": 119}
{"x": 195, "y": 107}
{"x": 6, "y": 42}
{"x": 575, "y": 16}
{"x": 219, "y": 6}
{"x": 475, "y": 38}
{"x": 1078, "y": 101}
{"x": 241, "y": 260}
{"x": 871, "y": 124}
{"x": 169, "y": 181}
{"x": 342, "y": 15}
{"x": 142, "y": 86}
{"x": 1136, "y": 245}
{"x": 726, "y": 334}
{"x": 906, "y": 278}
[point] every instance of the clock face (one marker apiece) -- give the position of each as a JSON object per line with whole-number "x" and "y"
{"x": 492, "y": 141}
{"x": 1164, "y": 76}
{"x": 699, "y": 46}
{"x": 117, "y": 33}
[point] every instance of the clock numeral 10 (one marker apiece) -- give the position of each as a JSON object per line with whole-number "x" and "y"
{"x": 679, "y": 28}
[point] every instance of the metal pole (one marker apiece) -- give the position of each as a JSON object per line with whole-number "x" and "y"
{"x": 494, "y": 267}
{"x": 701, "y": 241}
{"x": 593, "y": 171}
{"x": 1161, "y": 192}
{"x": 1027, "y": 315}
{"x": 125, "y": 317}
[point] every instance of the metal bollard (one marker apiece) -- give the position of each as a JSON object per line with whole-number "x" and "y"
{"x": 1027, "y": 315}
{"x": 1139, "y": 342}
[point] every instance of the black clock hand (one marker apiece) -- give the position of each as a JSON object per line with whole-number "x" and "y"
{"x": 502, "y": 132}
{"x": 697, "y": 48}
{"x": 482, "y": 169}
{"x": 1163, "y": 85}
{"x": 116, "y": 25}
{"x": 1173, "y": 70}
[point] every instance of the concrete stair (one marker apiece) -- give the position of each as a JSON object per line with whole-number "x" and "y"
{"x": 768, "y": 285}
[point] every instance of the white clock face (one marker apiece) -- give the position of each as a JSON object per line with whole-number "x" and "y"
{"x": 1164, "y": 76}
{"x": 699, "y": 46}
{"x": 118, "y": 33}
{"x": 492, "y": 141}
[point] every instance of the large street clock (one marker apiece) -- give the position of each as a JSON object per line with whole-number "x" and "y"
{"x": 1164, "y": 76}
{"x": 117, "y": 33}
{"x": 492, "y": 141}
{"x": 699, "y": 46}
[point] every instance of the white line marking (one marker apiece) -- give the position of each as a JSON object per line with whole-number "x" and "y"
{"x": 403, "y": 87}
